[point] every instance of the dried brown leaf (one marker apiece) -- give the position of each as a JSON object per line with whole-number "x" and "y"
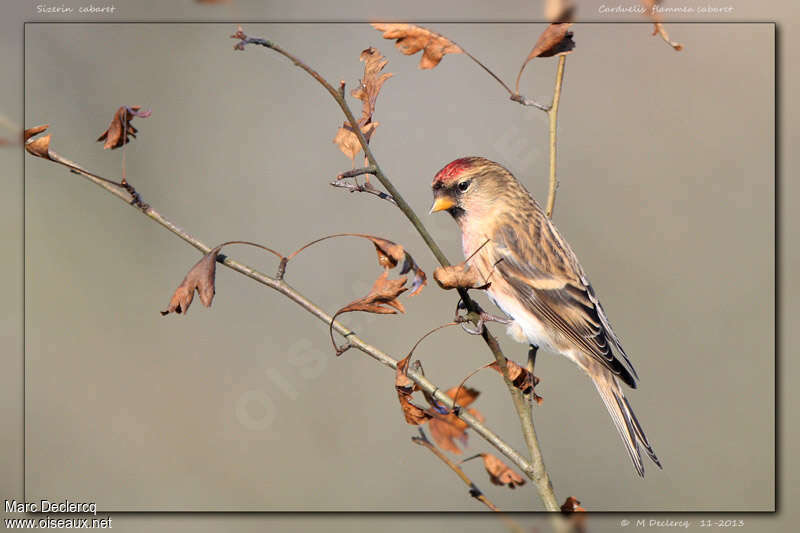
{"x": 346, "y": 138}
{"x": 411, "y": 38}
{"x": 459, "y": 276}
{"x": 556, "y": 39}
{"x": 500, "y": 473}
{"x": 572, "y": 505}
{"x": 520, "y": 377}
{"x": 200, "y": 278}
{"x": 389, "y": 253}
{"x": 40, "y": 146}
{"x": 389, "y": 256}
{"x": 121, "y": 129}
{"x": 372, "y": 81}
{"x": 384, "y": 293}
{"x": 36, "y": 130}
{"x": 447, "y": 429}
{"x": 405, "y": 388}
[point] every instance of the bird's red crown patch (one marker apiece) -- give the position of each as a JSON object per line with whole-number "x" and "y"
{"x": 453, "y": 170}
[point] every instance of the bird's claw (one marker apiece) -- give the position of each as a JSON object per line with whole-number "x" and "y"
{"x": 483, "y": 318}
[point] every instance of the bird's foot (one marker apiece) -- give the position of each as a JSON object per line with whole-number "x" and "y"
{"x": 483, "y": 318}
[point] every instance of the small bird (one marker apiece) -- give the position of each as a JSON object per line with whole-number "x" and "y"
{"x": 537, "y": 281}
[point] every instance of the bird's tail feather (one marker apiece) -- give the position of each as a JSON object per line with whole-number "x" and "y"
{"x": 620, "y": 410}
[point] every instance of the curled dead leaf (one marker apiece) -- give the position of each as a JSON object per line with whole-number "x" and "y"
{"x": 389, "y": 256}
{"x": 36, "y": 130}
{"x": 381, "y": 300}
{"x": 200, "y": 278}
{"x": 405, "y": 387}
{"x": 500, "y": 473}
{"x": 555, "y": 40}
{"x": 40, "y": 146}
{"x": 460, "y": 276}
{"x": 389, "y": 253}
{"x": 121, "y": 129}
{"x": 367, "y": 91}
{"x": 446, "y": 429}
{"x": 372, "y": 81}
{"x": 520, "y": 377}
{"x": 411, "y": 38}
{"x": 572, "y": 505}
{"x": 384, "y": 293}
{"x": 347, "y": 140}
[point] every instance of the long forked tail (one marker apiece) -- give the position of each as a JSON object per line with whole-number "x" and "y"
{"x": 620, "y": 410}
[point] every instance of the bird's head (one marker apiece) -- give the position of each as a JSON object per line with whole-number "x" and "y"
{"x": 469, "y": 186}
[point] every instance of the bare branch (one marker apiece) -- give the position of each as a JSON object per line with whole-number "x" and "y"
{"x": 553, "y": 115}
{"x": 357, "y": 172}
{"x": 366, "y": 187}
{"x": 528, "y": 102}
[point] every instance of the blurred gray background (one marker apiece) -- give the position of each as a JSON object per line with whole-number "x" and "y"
{"x": 667, "y": 196}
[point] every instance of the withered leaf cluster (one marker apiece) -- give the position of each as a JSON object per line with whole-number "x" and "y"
{"x": 411, "y": 38}
{"x": 405, "y": 387}
{"x": 447, "y": 429}
{"x": 367, "y": 92}
{"x": 382, "y": 298}
{"x": 500, "y": 473}
{"x": 520, "y": 377}
{"x": 201, "y": 279}
{"x": 121, "y": 129}
{"x": 390, "y": 254}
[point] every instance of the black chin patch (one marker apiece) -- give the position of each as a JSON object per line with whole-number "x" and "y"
{"x": 456, "y": 212}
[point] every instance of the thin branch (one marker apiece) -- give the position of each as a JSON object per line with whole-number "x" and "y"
{"x": 538, "y": 474}
{"x": 357, "y": 172}
{"x": 365, "y": 187}
{"x": 536, "y": 471}
{"x": 474, "y": 491}
{"x": 553, "y": 115}
{"x": 528, "y": 102}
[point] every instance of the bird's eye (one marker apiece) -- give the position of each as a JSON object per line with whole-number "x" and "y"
{"x": 464, "y": 185}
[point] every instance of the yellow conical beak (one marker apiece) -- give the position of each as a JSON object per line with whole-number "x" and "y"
{"x": 442, "y": 203}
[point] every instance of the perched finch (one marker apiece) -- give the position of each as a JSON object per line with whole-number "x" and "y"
{"x": 537, "y": 281}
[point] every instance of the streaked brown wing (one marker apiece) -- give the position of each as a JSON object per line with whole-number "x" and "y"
{"x": 544, "y": 272}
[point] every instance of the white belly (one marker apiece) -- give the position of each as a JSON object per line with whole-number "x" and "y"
{"x": 525, "y": 328}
